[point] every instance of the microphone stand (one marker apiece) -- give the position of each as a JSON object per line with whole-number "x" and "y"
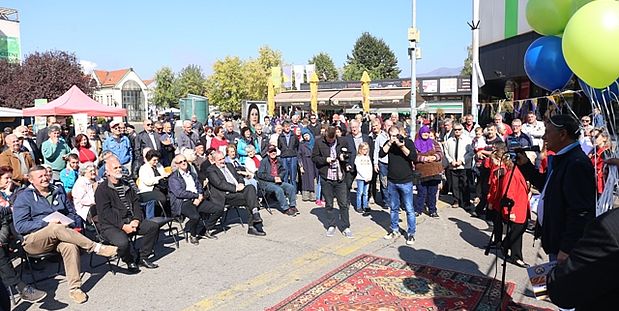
{"x": 509, "y": 203}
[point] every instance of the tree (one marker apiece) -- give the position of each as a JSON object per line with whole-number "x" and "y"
{"x": 225, "y": 87}
{"x": 467, "y": 70}
{"x": 258, "y": 71}
{"x": 41, "y": 75}
{"x": 325, "y": 68}
{"x": 166, "y": 92}
{"x": 373, "y": 55}
{"x": 190, "y": 81}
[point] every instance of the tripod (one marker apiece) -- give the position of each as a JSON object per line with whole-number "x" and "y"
{"x": 508, "y": 203}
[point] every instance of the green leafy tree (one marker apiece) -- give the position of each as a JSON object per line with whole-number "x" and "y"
{"x": 190, "y": 81}
{"x": 373, "y": 55}
{"x": 165, "y": 93}
{"x": 325, "y": 68}
{"x": 258, "y": 71}
{"x": 467, "y": 70}
{"x": 225, "y": 87}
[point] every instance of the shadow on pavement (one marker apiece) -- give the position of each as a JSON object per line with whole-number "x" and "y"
{"x": 471, "y": 234}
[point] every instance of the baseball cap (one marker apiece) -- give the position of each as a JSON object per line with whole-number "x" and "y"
{"x": 114, "y": 123}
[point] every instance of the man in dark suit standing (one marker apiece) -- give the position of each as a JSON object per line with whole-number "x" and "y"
{"x": 352, "y": 140}
{"x": 146, "y": 139}
{"x": 227, "y": 187}
{"x": 288, "y": 144}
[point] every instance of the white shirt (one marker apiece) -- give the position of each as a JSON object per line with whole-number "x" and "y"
{"x": 535, "y": 131}
{"x": 151, "y": 135}
{"x": 465, "y": 151}
{"x": 190, "y": 185}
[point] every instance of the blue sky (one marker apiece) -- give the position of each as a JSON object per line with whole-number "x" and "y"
{"x": 148, "y": 35}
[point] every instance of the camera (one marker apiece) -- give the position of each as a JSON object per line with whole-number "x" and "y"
{"x": 514, "y": 146}
{"x": 345, "y": 154}
{"x": 401, "y": 138}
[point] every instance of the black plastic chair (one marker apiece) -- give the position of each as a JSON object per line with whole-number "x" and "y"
{"x": 164, "y": 220}
{"x": 30, "y": 259}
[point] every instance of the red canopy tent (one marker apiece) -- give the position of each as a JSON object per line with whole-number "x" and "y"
{"x": 74, "y": 101}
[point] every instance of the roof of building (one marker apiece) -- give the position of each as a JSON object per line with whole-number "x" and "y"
{"x": 147, "y": 82}
{"x": 111, "y": 78}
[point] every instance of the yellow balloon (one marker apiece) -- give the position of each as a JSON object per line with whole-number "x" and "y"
{"x": 591, "y": 43}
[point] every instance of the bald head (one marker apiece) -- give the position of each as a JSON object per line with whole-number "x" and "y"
{"x": 13, "y": 142}
{"x": 113, "y": 169}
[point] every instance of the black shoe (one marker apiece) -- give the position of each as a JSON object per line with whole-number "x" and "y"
{"x": 147, "y": 264}
{"x": 256, "y": 217}
{"x": 290, "y": 212}
{"x": 518, "y": 262}
{"x": 194, "y": 240}
{"x": 254, "y": 231}
{"x": 366, "y": 212}
{"x": 417, "y": 214}
{"x": 32, "y": 294}
{"x": 434, "y": 215}
{"x": 295, "y": 210}
{"x": 132, "y": 267}
{"x": 209, "y": 235}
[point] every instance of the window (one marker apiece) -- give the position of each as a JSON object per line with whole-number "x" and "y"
{"x": 133, "y": 100}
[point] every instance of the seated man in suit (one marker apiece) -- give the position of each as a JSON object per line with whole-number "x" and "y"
{"x": 269, "y": 177}
{"x": 188, "y": 199}
{"x": 120, "y": 215}
{"x": 227, "y": 187}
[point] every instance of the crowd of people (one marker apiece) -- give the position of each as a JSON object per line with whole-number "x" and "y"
{"x": 54, "y": 185}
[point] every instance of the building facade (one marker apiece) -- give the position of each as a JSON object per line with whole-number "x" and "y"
{"x": 122, "y": 88}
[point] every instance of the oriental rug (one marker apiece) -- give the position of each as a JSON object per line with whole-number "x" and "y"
{"x": 373, "y": 283}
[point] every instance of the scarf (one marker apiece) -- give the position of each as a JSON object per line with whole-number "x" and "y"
{"x": 424, "y": 145}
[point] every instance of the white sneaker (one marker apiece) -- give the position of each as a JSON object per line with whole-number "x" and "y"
{"x": 392, "y": 235}
{"x": 331, "y": 231}
{"x": 410, "y": 240}
{"x": 347, "y": 233}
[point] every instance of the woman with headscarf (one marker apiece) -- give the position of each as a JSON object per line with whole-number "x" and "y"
{"x": 306, "y": 165}
{"x": 428, "y": 165}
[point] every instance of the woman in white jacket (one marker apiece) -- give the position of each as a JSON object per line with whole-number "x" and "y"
{"x": 150, "y": 175}
{"x": 84, "y": 189}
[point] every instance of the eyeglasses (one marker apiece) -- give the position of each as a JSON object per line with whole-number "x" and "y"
{"x": 122, "y": 128}
{"x": 149, "y": 124}
{"x": 585, "y": 120}
{"x": 457, "y": 129}
{"x": 181, "y": 162}
{"x": 159, "y": 128}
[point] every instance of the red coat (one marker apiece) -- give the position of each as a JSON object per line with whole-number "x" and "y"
{"x": 598, "y": 164}
{"x": 518, "y": 191}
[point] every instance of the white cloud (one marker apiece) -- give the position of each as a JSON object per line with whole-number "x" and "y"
{"x": 88, "y": 66}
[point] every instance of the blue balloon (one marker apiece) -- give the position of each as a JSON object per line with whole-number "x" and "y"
{"x": 545, "y": 65}
{"x": 601, "y": 95}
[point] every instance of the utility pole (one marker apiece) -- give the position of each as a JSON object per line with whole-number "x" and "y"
{"x": 476, "y": 74}
{"x": 413, "y": 39}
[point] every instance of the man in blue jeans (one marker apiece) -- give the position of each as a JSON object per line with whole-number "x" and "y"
{"x": 401, "y": 153}
{"x": 288, "y": 144}
{"x": 269, "y": 177}
{"x": 381, "y": 163}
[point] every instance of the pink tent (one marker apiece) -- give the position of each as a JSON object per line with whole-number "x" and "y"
{"x": 72, "y": 102}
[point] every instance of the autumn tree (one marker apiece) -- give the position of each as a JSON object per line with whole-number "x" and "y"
{"x": 41, "y": 75}
{"x": 166, "y": 92}
{"x": 467, "y": 70}
{"x": 257, "y": 72}
{"x": 373, "y": 55}
{"x": 190, "y": 81}
{"x": 325, "y": 68}
{"x": 225, "y": 87}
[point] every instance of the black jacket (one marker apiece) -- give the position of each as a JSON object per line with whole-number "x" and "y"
{"x": 110, "y": 209}
{"x": 569, "y": 202}
{"x": 290, "y": 149}
{"x": 322, "y": 151}
{"x": 264, "y": 171}
{"x": 178, "y": 191}
{"x": 218, "y": 184}
{"x": 315, "y": 129}
{"x": 588, "y": 279}
{"x": 143, "y": 141}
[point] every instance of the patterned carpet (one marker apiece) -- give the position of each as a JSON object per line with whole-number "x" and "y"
{"x": 373, "y": 283}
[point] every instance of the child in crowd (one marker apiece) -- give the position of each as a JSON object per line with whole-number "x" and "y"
{"x": 363, "y": 163}
{"x": 69, "y": 175}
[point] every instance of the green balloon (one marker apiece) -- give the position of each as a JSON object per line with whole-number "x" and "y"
{"x": 590, "y": 44}
{"x": 549, "y": 17}
{"x": 577, "y": 4}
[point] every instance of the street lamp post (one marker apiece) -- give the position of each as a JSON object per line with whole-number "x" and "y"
{"x": 413, "y": 37}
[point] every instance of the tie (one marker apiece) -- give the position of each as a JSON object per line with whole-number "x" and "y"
{"x": 229, "y": 177}
{"x": 152, "y": 139}
{"x": 457, "y": 145}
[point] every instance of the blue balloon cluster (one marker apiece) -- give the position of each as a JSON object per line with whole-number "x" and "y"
{"x": 545, "y": 65}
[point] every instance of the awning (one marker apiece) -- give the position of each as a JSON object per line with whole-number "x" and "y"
{"x": 388, "y": 94}
{"x": 303, "y": 97}
{"x": 448, "y": 107}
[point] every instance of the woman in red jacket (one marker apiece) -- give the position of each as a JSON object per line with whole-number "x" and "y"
{"x": 501, "y": 170}
{"x": 598, "y": 155}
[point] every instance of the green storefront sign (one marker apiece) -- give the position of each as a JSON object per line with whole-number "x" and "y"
{"x": 9, "y": 48}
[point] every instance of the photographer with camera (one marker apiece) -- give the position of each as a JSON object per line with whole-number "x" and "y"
{"x": 331, "y": 163}
{"x": 567, "y": 199}
{"x": 401, "y": 153}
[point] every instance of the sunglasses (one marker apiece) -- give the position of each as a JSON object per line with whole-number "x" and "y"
{"x": 181, "y": 162}
{"x": 457, "y": 129}
{"x": 583, "y": 120}
{"x": 149, "y": 124}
